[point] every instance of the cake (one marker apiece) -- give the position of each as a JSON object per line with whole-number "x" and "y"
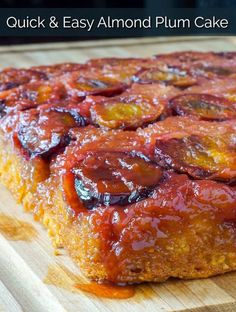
{"x": 130, "y": 164}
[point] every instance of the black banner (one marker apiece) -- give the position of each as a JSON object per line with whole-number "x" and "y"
{"x": 116, "y": 22}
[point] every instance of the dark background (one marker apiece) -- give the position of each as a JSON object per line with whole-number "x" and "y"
{"x": 117, "y": 3}
{"x": 151, "y": 4}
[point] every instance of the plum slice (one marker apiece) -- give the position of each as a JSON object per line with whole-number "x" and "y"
{"x": 205, "y": 106}
{"x": 212, "y": 70}
{"x": 112, "y": 62}
{"x": 85, "y": 84}
{"x": 219, "y": 63}
{"x": 218, "y": 70}
{"x": 44, "y": 132}
{"x": 115, "y": 178}
{"x": 126, "y": 112}
{"x": 58, "y": 69}
{"x": 199, "y": 156}
{"x": 33, "y": 94}
{"x": 93, "y": 86}
{"x": 12, "y": 77}
{"x": 123, "y": 115}
{"x": 172, "y": 75}
{"x": 40, "y": 93}
{"x": 121, "y": 69}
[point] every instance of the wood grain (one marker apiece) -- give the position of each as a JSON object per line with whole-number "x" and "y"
{"x": 24, "y": 265}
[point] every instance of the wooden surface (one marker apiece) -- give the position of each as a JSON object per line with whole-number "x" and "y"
{"x": 24, "y": 265}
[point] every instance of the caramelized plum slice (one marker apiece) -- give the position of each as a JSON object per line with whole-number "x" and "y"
{"x": 227, "y": 55}
{"x": 43, "y": 132}
{"x": 12, "y": 77}
{"x": 209, "y": 60}
{"x": 206, "y": 106}
{"x": 43, "y": 93}
{"x": 212, "y": 70}
{"x": 94, "y": 86}
{"x": 97, "y": 84}
{"x": 113, "y": 62}
{"x": 121, "y": 69}
{"x": 114, "y": 178}
{"x": 200, "y": 157}
{"x": 125, "y": 112}
{"x": 33, "y": 94}
{"x": 137, "y": 106}
{"x": 172, "y": 75}
{"x": 58, "y": 69}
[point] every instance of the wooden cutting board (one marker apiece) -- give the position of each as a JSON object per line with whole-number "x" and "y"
{"x": 24, "y": 265}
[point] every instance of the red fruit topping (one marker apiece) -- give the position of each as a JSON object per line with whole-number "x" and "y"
{"x": 112, "y": 178}
{"x": 172, "y": 76}
{"x": 200, "y": 157}
{"x": 205, "y": 106}
{"x": 38, "y": 135}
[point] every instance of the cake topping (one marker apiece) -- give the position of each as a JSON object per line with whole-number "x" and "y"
{"x": 125, "y": 113}
{"x": 112, "y": 178}
{"x": 33, "y": 94}
{"x": 39, "y": 136}
{"x": 169, "y": 75}
{"x": 12, "y": 77}
{"x": 205, "y": 106}
{"x": 137, "y": 106}
{"x": 199, "y": 156}
{"x": 87, "y": 83}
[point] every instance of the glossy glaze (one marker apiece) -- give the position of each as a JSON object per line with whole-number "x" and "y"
{"x": 39, "y": 136}
{"x": 200, "y": 157}
{"x": 112, "y": 178}
{"x": 169, "y": 75}
{"x": 204, "y": 106}
{"x": 138, "y": 106}
{"x": 107, "y": 290}
{"x": 15, "y": 229}
{"x": 11, "y": 77}
{"x": 62, "y": 277}
{"x": 138, "y": 194}
{"x": 209, "y": 64}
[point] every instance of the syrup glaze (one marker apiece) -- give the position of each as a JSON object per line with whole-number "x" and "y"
{"x": 60, "y": 276}
{"x": 17, "y": 230}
